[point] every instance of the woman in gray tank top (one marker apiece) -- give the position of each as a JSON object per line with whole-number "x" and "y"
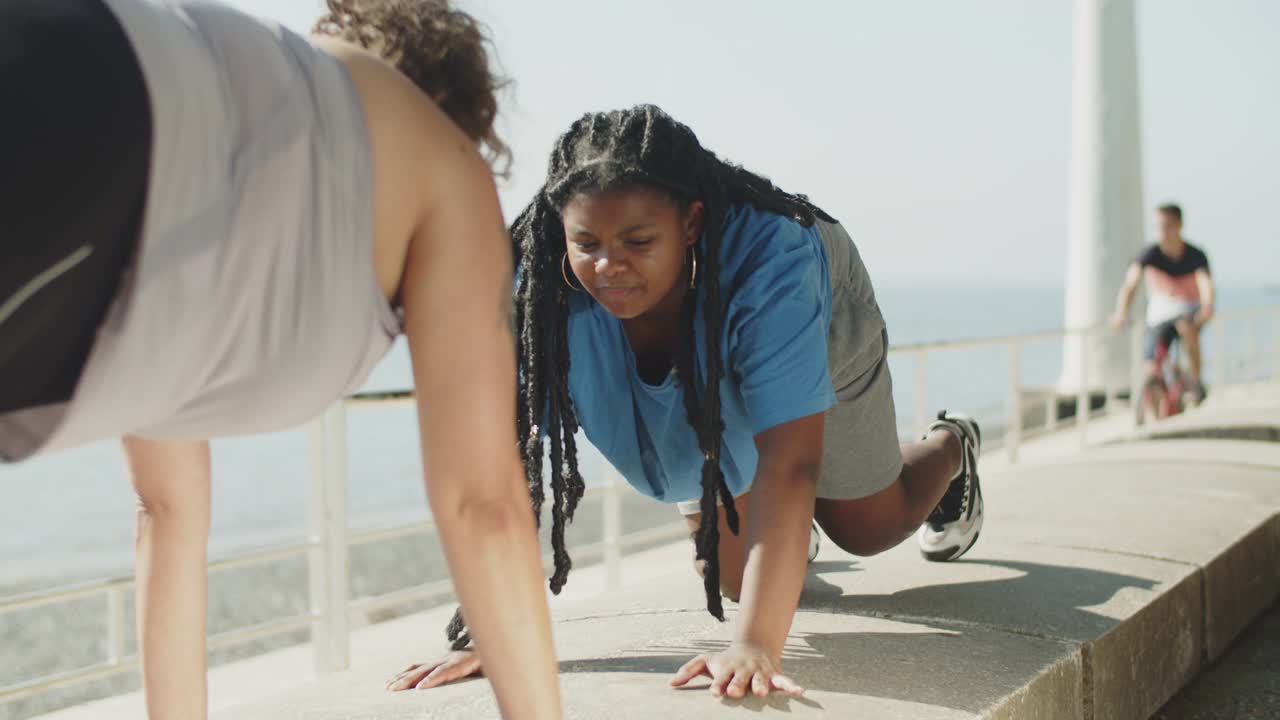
{"x": 263, "y": 214}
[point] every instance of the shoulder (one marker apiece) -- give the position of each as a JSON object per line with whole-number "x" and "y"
{"x": 768, "y": 261}
{"x": 1149, "y": 255}
{"x": 758, "y": 241}
{"x": 1196, "y": 255}
{"x": 745, "y": 221}
{"x": 427, "y": 174}
{"x": 408, "y": 133}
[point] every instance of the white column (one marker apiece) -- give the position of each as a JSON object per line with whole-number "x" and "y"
{"x": 1107, "y": 209}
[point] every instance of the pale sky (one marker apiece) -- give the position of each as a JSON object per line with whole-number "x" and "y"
{"x": 938, "y": 131}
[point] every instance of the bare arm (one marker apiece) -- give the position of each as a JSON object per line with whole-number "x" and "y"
{"x": 782, "y": 500}
{"x": 172, "y": 482}
{"x": 1125, "y": 299}
{"x": 1204, "y": 281}
{"x": 457, "y": 293}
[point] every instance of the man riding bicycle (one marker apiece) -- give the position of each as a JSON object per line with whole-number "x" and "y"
{"x": 1180, "y": 295}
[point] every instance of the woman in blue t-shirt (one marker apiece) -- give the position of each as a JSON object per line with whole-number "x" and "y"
{"x": 718, "y": 340}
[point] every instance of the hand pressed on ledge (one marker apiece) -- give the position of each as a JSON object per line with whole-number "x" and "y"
{"x": 457, "y": 665}
{"x": 739, "y": 670}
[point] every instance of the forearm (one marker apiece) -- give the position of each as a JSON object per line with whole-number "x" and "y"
{"x": 778, "y": 532}
{"x": 491, "y": 544}
{"x": 1125, "y": 300}
{"x": 171, "y": 610}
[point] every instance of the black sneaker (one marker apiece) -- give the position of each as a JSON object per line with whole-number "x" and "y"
{"x": 953, "y": 526}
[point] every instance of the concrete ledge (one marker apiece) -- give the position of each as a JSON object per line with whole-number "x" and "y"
{"x": 1142, "y": 662}
{"x": 1102, "y": 584}
{"x": 1241, "y": 584}
{"x": 1100, "y": 587}
{"x": 1250, "y": 417}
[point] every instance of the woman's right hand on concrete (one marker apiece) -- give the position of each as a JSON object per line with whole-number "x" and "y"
{"x": 455, "y": 666}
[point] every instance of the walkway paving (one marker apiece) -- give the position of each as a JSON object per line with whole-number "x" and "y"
{"x": 1106, "y": 579}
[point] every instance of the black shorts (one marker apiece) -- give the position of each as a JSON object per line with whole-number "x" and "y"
{"x": 76, "y": 134}
{"x": 1163, "y": 335}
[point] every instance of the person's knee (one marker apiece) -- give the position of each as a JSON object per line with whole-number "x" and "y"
{"x": 731, "y": 592}
{"x": 871, "y": 525}
{"x": 1188, "y": 332}
{"x": 730, "y": 587}
{"x": 863, "y": 547}
{"x": 871, "y": 540}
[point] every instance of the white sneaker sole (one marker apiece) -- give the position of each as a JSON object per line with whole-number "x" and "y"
{"x": 946, "y": 553}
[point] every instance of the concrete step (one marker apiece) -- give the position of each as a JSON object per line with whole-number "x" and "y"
{"x": 1100, "y": 587}
{"x": 1243, "y": 685}
{"x": 1105, "y": 580}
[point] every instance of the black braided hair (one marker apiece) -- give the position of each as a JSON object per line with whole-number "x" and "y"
{"x": 640, "y": 147}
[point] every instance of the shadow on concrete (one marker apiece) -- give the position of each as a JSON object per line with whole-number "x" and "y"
{"x": 1255, "y": 433}
{"x": 657, "y": 664}
{"x": 961, "y": 645}
{"x": 1049, "y": 601}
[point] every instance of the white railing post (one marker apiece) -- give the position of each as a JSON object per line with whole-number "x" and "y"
{"x": 1137, "y": 371}
{"x": 611, "y": 505}
{"x": 1013, "y": 435}
{"x": 1112, "y": 402}
{"x": 1222, "y": 355}
{"x": 327, "y": 558}
{"x": 1275, "y": 348}
{"x": 1252, "y": 336}
{"x": 922, "y": 390}
{"x": 1082, "y": 395}
{"x": 116, "y": 622}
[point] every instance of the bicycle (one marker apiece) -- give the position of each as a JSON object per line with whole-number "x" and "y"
{"x": 1171, "y": 390}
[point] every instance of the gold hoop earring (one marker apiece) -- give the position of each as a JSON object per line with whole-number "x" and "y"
{"x": 693, "y": 276}
{"x": 564, "y": 272}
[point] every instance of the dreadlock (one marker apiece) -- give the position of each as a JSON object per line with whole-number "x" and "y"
{"x": 638, "y": 147}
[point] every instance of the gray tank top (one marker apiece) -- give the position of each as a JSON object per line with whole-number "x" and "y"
{"x": 252, "y": 302}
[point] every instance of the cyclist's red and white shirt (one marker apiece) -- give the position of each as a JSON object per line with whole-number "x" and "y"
{"x": 1172, "y": 291}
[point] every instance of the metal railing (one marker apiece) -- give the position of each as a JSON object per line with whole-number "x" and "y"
{"x": 1250, "y": 365}
{"x": 328, "y": 541}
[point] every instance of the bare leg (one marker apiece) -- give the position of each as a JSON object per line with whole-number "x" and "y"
{"x": 1189, "y": 333}
{"x": 871, "y": 525}
{"x": 865, "y": 526}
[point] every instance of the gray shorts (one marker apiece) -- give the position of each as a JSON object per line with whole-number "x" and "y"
{"x": 860, "y": 451}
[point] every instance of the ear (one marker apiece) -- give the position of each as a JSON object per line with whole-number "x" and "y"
{"x": 693, "y": 219}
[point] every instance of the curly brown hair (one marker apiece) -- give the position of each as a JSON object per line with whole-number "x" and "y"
{"x": 441, "y": 49}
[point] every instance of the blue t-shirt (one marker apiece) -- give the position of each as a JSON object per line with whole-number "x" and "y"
{"x": 776, "y": 290}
